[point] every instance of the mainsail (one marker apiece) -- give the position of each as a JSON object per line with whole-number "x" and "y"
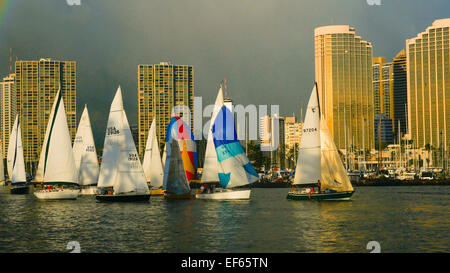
{"x": 307, "y": 170}
{"x": 15, "y": 152}
{"x": 56, "y": 163}
{"x": 234, "y": 167}
{"x": 85, "y": 153}
{"x": 121, "y": 168}
{"x": 211, "y": 165}
{"x": 152, "y": 161}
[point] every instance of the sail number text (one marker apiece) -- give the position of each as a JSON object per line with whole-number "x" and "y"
{"x": 309, "y": 130}
{"x": 112, "y": 131}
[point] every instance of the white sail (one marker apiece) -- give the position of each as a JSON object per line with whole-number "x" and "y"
{"x": 333, "y": 175}
{"x": 18, "y": 165}
{"x": 120, "y": 166}
{"x": 57, "y": 163}
{"x": 130, "y": 175}
{"x": 111, "y": 146}
{"x": 152, "y": 161}
{"x": 11, "y": 148}
{"x": 85, "y": 153}
{"x": 309, "y": 162}
{"x": 2, "y": 167}
{"x": 211, "y": 165}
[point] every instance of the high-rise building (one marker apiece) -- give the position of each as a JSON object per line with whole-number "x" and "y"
{"x": 400, "y": 93}
{"x": 343, "y": 66}
{"x": 272, "y": 138}
{"x": 293, "y": 132}
{"x": 7, "y": 111}
{"x": 265, "y": 132}
{"x": 428, "y": 77}
{"x": 134, "y": 128}
{"x": 383, "y": 87}
{"x": 161, "y": 87}
{"x": 292, "y": 137}
{"x": 383, "y": 130}
{"x": 37, "y": 83}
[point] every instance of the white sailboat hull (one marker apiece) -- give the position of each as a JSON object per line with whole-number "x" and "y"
{"x": 89, "y": 190}
{"x": 225, "y": 194}
{"x": 63, "y": 194}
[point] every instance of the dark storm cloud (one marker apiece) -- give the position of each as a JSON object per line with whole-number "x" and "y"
{"x": 265, "y": 48}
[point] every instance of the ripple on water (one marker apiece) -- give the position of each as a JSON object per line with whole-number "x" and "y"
{"x": 402, "y": 219}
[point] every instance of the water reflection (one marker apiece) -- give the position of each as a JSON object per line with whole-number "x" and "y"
{"x": 402, "y": 219}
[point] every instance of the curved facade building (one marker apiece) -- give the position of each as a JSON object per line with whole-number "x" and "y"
{"x": 428, "y": 80}
{"x": 343, "y": 69}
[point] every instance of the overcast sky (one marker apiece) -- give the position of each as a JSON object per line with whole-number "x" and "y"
{"x": 265, "y": 48}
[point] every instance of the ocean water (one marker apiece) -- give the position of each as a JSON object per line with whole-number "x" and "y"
{"x": 400, "y": 219}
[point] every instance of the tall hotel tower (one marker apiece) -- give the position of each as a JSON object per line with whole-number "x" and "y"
{"x": 400, "y": 93}
{"x": 160, "y": 88}
{"x": 343, "y": 63}
{"x": 37, "y": 83}
{"x": 383, "y": 84}
{"x": 428, "y": 78}
{"x": 7, "y": 111}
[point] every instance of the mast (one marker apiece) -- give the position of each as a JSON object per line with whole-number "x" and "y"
{"x": 400, "y": 146}
{"x": 379, "y": 145}
{"x": 407, "y": 143}
{"x": 364, "y": 147}
{"x": 345, "y": 139}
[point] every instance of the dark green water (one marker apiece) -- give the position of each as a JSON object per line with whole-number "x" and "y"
{"x": 401, "y": 219}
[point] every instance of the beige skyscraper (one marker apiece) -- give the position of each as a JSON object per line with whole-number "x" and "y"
{"x": 343, "y": 66}
{"x": 37, "y": 83}
{"x": 428, "y": 77}
{"x": 293, "y": 132}
{"x": 160, "y": 88}
{"x": 7, "y": 110}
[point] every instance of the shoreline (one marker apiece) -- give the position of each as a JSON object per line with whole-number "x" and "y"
{"x": 376, "y": 182}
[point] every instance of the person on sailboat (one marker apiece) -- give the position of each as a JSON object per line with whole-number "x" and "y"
{"x": 318, "y": 184}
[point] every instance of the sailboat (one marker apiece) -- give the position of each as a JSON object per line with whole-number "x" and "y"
{"x": 179, "y": 166}
{"x": 15, "y": 161}
{"x": 2, "y": 169}
{"x": 56, "y": 171}
{"x": 211, "y": 165}
{"x": 85, "y": 155}
{"x": 320, "y": 173}
{"x": 235, "y": 170}
{"x": 122, "y": 177}
{"x": 152, "y": 164}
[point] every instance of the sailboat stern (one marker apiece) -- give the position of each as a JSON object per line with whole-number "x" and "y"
{"x": 226, "y": 194}
{"x": 20, "y": 189}
{"x": 123, "y": 198}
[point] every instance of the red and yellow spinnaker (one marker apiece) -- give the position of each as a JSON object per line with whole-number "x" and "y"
{"x": 180, "y": 131}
